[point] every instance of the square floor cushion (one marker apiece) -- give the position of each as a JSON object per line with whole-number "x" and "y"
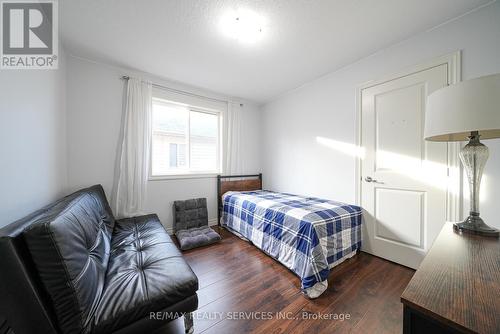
{"x": 191, "y": 224}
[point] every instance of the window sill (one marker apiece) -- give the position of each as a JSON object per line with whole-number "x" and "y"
{"x": 183, "y": 176}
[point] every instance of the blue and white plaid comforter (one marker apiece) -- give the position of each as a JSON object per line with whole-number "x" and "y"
{"x": 308, "y": 235}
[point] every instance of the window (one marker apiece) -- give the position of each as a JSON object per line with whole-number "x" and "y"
{"x": 177, "y": 155}
{"x": 186, "y": 139}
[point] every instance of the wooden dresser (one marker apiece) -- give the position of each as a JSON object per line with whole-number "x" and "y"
{"x": 457, "y": 287}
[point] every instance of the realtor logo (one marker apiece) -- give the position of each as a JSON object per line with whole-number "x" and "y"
{"x": 29, "y": 34}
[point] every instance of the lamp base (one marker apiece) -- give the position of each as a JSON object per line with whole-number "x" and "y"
{"x": 475, "y": 225}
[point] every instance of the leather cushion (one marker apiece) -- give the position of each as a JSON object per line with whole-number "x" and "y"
{"x": 146, "y": 273}
{"x": 148, "y": 324}
{"x": 196, "y": 237}
{"x": 190, "y": 213}
{"x": 69, "y": 244}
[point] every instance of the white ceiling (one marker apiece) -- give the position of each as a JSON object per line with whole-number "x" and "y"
{"x": 303, "y": 39}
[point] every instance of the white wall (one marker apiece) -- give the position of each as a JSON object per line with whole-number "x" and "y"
{"x": 32, "y": 139}
{"x": 293, "y": 161}
{"x": 94, "y": 98}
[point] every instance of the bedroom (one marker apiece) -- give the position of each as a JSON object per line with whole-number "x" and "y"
{"x": 154, "y": 100}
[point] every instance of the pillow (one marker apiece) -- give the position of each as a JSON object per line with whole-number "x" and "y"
{"x": 196, "y": 237}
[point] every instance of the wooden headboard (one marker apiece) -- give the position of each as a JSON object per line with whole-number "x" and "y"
{"x": 244, "y": 183}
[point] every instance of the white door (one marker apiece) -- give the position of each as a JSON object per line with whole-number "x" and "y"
{"x": 403, "y": 178}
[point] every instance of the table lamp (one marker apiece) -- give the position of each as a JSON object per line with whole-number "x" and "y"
{"x": 469, "y": 110}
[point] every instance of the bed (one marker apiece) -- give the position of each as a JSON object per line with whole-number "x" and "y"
{"x": 306, "y": 234}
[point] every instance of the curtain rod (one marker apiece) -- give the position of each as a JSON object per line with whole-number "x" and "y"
{"x": 126, "y": 77}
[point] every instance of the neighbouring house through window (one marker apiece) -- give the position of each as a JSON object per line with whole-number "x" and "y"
{"x": 185, "y": 139}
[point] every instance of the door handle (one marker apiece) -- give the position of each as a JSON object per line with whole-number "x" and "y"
{"x": 369, "y": 179}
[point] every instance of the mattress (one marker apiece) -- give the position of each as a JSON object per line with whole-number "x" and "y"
{"x": 306, "y": 234}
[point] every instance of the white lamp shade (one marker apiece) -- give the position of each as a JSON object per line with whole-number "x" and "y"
{"x": 473, "y": 105}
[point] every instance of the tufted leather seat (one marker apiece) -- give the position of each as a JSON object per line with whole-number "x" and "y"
{"x": 145, "y": 271}
{"x": 78, "y": 270}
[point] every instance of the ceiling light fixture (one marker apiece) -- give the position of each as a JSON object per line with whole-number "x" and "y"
{"x": 244, "y": 25}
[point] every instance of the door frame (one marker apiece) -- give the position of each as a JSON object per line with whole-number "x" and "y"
{"x": 454, "y": 201}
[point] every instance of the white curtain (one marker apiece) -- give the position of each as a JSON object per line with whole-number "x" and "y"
{"x": 133, "y": 157}
{"x": 232, "y": 150}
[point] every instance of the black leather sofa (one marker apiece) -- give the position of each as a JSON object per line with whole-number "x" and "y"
{"x": 71, "y": 268}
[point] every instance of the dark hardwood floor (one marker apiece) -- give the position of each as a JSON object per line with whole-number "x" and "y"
{"x": 236, "y": 277}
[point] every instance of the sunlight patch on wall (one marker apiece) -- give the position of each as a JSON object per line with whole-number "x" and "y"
{"x": 426, "y": 171}
{"x": 343, "y": 147}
